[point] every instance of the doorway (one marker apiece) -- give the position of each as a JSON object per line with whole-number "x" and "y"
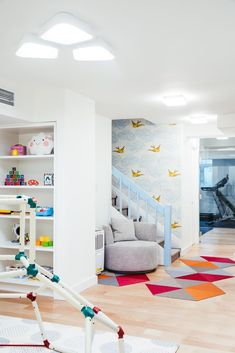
{"x": 217, "y": 190}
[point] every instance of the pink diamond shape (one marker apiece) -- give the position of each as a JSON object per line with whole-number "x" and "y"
{"x": 131, "y": 279}
{"x": 157, "y": 289}
{"x": 206, "y": 277}
{"x": 225, "y": 260}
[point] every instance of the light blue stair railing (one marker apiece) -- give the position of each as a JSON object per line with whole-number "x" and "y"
{"x": 150, "y": 204}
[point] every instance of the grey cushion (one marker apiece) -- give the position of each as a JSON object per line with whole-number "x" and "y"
{"x": 145, "y": 231}
{"x": 123, "y": 229}
{"x": 108, "y": 235}
{"x": 131, "y": 256}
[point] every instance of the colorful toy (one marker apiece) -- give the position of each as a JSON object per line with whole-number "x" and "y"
{"x": 49, "y": 280}
{"x": 44, "y": 240}
{"x": 14, "y": 178}
{"x": 18, "y": 150}
{"x": 41, "y": 144}
{"x": 33, "y": 182}
{"x": 5, "y": 212}
{"x": 16, "y": 234}
{"x": 44, "y": 211}
{"x": 14, "y": 152}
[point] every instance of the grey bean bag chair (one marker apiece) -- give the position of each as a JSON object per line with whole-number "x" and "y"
{"x": 130, "y": 247}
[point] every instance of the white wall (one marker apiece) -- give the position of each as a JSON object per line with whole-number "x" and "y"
{"x": 103, "y": 165}
{"x": 190, "y": 191}
{"x": 74, "y": 115}
{"x": 75, "y": 199}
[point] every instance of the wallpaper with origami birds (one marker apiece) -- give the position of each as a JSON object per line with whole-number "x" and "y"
{"x": 149, "y": 155}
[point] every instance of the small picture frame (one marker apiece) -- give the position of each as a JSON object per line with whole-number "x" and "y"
{"x": 48, "y": 179}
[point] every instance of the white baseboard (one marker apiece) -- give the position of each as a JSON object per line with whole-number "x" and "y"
{"x": 79, "y": 287}
{"x": 185, "y": 249}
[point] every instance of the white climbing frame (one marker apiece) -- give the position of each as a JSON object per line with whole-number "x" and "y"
{"x": 48, "y": 280}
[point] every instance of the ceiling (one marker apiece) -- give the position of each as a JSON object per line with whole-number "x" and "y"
{"x": 216, "y": 149}
{"x": 161, "y": 47}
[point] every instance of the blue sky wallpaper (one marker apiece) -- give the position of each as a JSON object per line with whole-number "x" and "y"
{"x": 149, "y": 155}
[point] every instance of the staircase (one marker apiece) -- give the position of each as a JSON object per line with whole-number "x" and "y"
{"x": 134, "y": 203}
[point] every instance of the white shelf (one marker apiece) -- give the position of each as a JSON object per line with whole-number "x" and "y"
{"x": 23, "y": 281}
{"x": 33, "y": 167}
{"x": 26, "y": 187}
{"x": 10, "y": 245}
{"x": 38, "y": 218}
{"x": 28, "y": 156}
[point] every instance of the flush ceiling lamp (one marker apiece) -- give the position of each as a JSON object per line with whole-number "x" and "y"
{"x": 32, "y": 47}
{"x": 176, "y": 100}
{"x": 66, "y": 29}
{"x": 96, "y": 50}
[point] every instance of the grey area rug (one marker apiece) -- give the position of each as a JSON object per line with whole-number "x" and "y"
{"x": 15, "y": 330}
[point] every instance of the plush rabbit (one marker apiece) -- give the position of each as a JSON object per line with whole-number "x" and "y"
{"x": 41, "y": 144}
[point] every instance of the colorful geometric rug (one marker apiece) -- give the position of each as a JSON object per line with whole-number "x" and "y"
{"x": 14, "y": 330}
{"x": 120, "y": 280}
{"x": 195, "y": 280}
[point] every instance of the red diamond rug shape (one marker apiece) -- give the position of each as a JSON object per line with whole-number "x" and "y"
{"x": 157, "y": 289}
{"x": 131, "y": 279}
{"x": 225, "y": 260}
{"x": 206, "y": 277}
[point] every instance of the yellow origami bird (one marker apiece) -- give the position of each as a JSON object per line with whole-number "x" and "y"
{"x": 136, "y": 124}
{"x": 175, "y": 225}
{"x": 157, "y": 198}
{"x": 155, "y": 148}
{"x": 136, "y": 173}
{"x": 173, "y": 173}
{"x": 119, "y": 149}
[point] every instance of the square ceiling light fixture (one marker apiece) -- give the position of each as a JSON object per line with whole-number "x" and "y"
{"x": 32, "y": 47}
{"x": 174, "y": 100}
{"x": 66, "y": 29}
{"x": 93, "y": 51}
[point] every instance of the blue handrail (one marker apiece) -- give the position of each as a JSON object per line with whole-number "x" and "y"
{"x": 159, "y": 209}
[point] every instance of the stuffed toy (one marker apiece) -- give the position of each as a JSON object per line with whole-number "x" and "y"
{"x": 41, "y": 144}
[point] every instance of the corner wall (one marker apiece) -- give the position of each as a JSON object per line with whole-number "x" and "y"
{"x": 103, "y": 165}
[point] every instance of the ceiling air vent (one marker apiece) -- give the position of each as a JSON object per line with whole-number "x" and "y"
{"x": 6, "y": 97}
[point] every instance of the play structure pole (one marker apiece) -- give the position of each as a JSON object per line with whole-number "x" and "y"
{"x": 51, "y": 281}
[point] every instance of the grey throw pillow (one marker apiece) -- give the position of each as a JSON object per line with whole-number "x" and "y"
{"x": 123, "y": 229}
{"x": 146, "y": 231}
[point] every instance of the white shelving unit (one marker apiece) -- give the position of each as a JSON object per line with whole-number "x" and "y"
{"x": 32, "y": 167}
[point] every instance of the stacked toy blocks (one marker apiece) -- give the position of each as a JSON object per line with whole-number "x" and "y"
{"x": 15, "y": 178}
{"x": 44, "y": 241}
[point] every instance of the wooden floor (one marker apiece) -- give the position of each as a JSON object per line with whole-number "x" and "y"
{"x": 207, "y": 326}
{"x": 219, "y": 236}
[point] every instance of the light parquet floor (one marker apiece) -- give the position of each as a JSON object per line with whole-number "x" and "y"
{"x": 207, "y": 326}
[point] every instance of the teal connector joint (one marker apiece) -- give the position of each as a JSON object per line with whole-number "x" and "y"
{"x": 32, "y": 270}
{"x": 55, "y": 279}
{"x": 19, "y": 255}
{"x": 31, "y": 203}
{"x": 88, "y": 312}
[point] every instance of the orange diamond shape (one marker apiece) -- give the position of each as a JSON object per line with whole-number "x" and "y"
{"x": 204, "y": 291}
{"x": 197, "y": 263}
{"x": 104, "y": 276}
